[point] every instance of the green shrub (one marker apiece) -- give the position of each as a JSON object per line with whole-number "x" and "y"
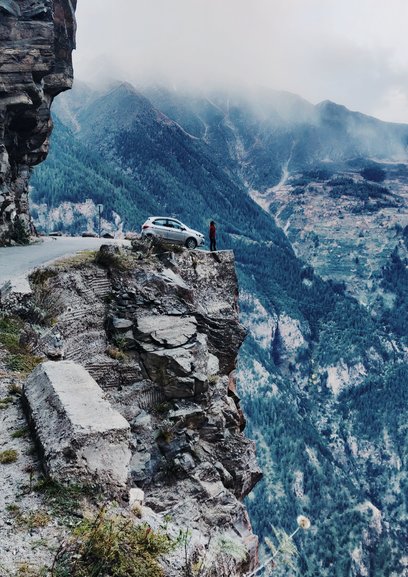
{"x": 113, "y": 259}
{"x": 46, "y": 305}
{"x": 14, "y": 389}
{"x": 19, "y": 358}
{"x": 114, "y": 547}
{"x": 30, "y": 520}
{"x": 22, "y": 363}
{"x": 10, "y": 329}
{"x": 4, "y": 403}
{"x": 20, "y": 233}
{"x": 64, "y": 500}
{"x": 116, "y": 353}
{"x": 19, "y": 433}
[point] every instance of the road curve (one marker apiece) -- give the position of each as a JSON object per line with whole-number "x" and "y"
{"x": 17, "y": 262}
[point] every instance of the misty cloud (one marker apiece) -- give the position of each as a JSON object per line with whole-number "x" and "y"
{"x": 355, "y": 53}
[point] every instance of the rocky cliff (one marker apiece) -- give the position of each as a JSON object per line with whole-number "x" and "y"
{"x": 36, "y": 41}
{"x": 159, "y": 332}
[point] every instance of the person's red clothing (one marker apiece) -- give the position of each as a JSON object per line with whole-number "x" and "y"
{"x": 212, "y": 233}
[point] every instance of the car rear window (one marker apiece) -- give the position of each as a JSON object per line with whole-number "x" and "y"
{"x": 160, "y": 222}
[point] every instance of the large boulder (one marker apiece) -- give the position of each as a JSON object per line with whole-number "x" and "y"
{"x": 167, "y": 330}
{"x": 180, "y": 371}
{"x": 82, "y": 438}
{"x": 213, "y": 283}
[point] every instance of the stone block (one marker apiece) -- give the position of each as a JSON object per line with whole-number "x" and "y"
{"x": 82, "y": 438}
{"x": 167, "y": 330}
{"x": 181, "y": 371}
{"x": 136, "y": 497}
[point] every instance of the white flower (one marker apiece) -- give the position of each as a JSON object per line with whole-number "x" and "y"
{"x": 303, "y": 522}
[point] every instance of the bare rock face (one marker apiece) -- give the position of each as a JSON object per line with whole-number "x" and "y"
{"x": 36, "y": 41}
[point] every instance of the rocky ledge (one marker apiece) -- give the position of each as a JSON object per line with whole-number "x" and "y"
{"x": 36, "y": 41}
{"x": 159, "y": 332}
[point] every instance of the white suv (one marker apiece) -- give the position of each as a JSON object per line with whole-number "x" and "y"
{"x": 172, "y": 230}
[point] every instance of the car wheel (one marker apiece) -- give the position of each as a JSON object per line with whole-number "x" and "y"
{"x": 191, "y": 243}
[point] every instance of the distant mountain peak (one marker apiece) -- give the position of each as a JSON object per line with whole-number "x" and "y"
{"x": 123, "y": 87}
{"x": 330, "y": 104}
{"x": 330, "y": 108}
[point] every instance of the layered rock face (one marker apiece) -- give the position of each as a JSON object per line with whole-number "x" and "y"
{"x": 36, "y": 41}
{"x": 159, "y": 332}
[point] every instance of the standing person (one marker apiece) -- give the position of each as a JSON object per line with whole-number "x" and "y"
{"x": 213, "y": 234}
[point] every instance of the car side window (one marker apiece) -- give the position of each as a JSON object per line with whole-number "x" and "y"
{"x": 174, "y": 224}
{"x": 160, "y": 222}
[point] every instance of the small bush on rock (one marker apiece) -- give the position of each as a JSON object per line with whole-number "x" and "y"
{"x": 20, "y": 433}
{"x": 27, "y": 570}
{"x": 4, "y": 403}
{"x": 20, "y": 233}
{"x": 14, "y": 389}
{"x": 160, "y": 246}
{"x": 222, "y": 555}
{"x": 45, "y": 304}
{"x": 64, "y": 500}
{"x": 166, "y": 431}
{"x": 112, "y": 257}
{"x": 8, "y": 456}
{"x": 10, "y": 330}
{"x": 23, "y": 363}
{"x": 19, "y": 358}
{"x": 114, "y": 547}
{"x": 116, "y": 353}
{"x": 31, "y": 520}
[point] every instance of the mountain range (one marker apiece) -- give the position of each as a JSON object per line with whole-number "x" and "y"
{"x": 313, "y": 201}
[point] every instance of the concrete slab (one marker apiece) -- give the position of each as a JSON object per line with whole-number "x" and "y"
{"x": 83, "y": 439}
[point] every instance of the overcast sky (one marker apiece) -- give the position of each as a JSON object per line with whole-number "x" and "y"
{"x": 354, "y": 52}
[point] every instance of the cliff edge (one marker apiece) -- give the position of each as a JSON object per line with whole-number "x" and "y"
{"x": 158, "y": 330}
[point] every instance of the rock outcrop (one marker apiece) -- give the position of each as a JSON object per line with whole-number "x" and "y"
{"x": 159, "y": 332}
{"x": 36, "y": 41}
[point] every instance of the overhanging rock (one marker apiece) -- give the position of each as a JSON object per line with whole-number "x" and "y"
{"x": 36, "y": 41}
{"x": 83, "y": 439}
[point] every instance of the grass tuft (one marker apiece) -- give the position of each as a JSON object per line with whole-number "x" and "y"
{"x": 4, "y": 403}
{"x": 64, "y": 500}
{"x": 22, "y": 363}
{"x": 31, "y": 520}
{"x": 8, "y": 456}
{"x": 116, "y": 353}
{"x": 14, "y": 389}
{"x": 20, "y": 433}
{"x": 113, "y": 546}
{"x": 115, "y": 259}
{"x": 19, "y": 359}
